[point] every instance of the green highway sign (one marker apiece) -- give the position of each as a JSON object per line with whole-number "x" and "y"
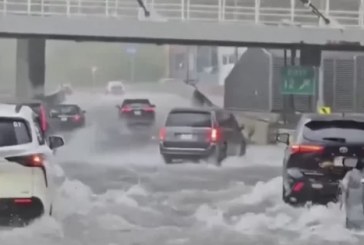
{"x": 298, "y": 80}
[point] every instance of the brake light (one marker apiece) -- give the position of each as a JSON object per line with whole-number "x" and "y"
{"x": 162, "y": 134}
{"x": 298, "y": 187}
{"x": 43, "y": 118}
{"x": 125, "y": 109}
{"x": 149, "y": 109}
{"x": 23, "y": 201}
{"x": 76, "y": 117}
{"x": 214, "y": 135}
{"x": 296, "y": 149}
{"x": 34, "y": 160}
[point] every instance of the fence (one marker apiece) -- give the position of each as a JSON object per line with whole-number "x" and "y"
{"x": 346, "y": 13}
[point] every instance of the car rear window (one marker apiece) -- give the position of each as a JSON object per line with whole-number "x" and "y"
{"x": 116, "y": 88}
{"x": 14, "y": 132}
{"x": 67, "y": 109}
{"x": 336, "y": 130}
{"x": 136, "y": 103}
{"x": 189, "y": 119}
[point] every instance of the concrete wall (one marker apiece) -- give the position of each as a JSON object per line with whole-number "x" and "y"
{"x": 247, "y": 86}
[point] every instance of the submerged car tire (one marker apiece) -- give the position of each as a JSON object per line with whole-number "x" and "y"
{"x": 215, "y": 157}
{"x": 167, "y": 159}
{"x": 241, "y": 149}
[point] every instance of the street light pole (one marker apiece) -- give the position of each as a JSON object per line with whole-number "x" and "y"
{"x": 93, "y": 72}
{"x": 132, "y": 68}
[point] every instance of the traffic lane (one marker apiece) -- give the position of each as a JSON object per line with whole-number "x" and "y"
{"x": 158, "y": 177}
{"x": 200, "y": 204}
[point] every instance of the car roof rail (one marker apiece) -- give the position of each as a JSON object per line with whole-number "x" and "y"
{"x": 18, "y": 108}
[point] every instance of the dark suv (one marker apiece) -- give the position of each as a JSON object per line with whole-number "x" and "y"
{"x": 210, "y": 133}
{"x": 318, "y": 156}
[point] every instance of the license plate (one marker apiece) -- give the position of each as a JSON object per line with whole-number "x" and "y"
{"x": 345, "y": 162}
{"x": 317, "y": 186}
{"x": 63, "y": 119}
{"x": 137, "y": 113}
{"x": 186, "y": 136}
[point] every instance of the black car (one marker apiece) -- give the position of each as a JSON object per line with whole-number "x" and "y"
{"x": 68, "y": 116}
{"x": 318, "y": 156}
{"x": 206, "y": 133}
{"x": 137, "y": 112}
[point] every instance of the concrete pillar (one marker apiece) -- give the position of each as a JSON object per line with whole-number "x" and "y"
{"x": 30, "y": 67}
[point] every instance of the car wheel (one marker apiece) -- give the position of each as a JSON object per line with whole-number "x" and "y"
{"x": 167, "y": 159}
{"x": 284, "y": 197}
{"x": 241, "y": 149}
{"x": 215, "y": 157}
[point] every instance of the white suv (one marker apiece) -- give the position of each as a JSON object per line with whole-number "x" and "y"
{"x": 115, "y": 88}
{"x": 27, "y": 170}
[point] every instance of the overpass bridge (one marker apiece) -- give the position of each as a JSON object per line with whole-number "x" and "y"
{"x": 263, "y": 23}
{"x": 218, "y": 22}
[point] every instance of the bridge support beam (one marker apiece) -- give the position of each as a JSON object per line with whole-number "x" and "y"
{"x": 30, "y": 67}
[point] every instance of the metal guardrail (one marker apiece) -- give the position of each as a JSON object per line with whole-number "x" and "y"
{"x": 274, "y": 12}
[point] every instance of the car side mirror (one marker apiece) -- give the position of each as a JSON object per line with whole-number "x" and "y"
{"x": 283, "y": 138}
{"x": 55, "y": 142}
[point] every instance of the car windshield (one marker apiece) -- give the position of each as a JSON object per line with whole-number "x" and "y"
{"x": 349, "y": 131}
{"x": 189, "y": 119}
{"x": 13, "y": 132}
{"x": 67, "y": 109}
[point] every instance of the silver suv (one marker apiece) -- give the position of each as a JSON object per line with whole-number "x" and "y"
{"x": 204, "y": 133}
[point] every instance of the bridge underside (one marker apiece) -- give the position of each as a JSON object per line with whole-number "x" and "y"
{"x": 185, "y": 33}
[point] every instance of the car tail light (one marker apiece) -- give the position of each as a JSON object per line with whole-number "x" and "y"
{"x": 162, "y": 134}
{"x": 296, "y": 149}
{"x": 43, "y": 118}
{"x": 298, "y": 187}
{"x": 149, "y": 109}
{"x": 34, "y": 160}
{"x": 76, "y": 118}
{"x": 214, "y": 135}
{"x": 23, "y": 201}
{"x": 125, "y": 109}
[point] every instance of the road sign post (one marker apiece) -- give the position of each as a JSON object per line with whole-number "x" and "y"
{"x": 131, "y": 50}
{"x": 298, "y": 80}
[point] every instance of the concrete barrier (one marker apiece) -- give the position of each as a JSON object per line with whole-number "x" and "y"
{"x": 260, "y": 128}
